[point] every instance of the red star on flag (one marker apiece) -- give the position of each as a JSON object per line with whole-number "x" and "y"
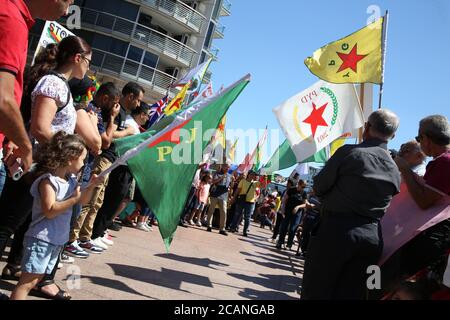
{"x": 172, "y": 136}
{"x": 350, "y": 60}
{"x": 315, "y": 119}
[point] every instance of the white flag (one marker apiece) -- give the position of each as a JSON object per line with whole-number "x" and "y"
{"x": 319, "y": 115}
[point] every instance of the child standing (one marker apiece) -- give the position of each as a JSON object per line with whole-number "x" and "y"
{"x": 202, "y": 196}
{"x": 55, "y": 192}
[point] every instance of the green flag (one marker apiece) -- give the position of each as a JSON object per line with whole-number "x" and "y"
{"x": 284, "y": 158}
{"x": 166, "y": 161}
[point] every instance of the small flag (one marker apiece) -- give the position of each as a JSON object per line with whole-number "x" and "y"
{"x": 195, "y": 76}
{"x": 157, "y": 111}
{"x": 356, "y": 58}
{"x": 177, "y": 103}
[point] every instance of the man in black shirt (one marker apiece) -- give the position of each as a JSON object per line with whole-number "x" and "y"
{"x": 120, "y": 178}
{"x": 356, "y": 187}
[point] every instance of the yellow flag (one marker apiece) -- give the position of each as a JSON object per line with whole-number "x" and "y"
{"x": 220, "y": 132}
{"x": 176, "y": 103}
{"x": 356, "y": 58}
{"x": 232, "y": 152}
{"x": 336, "y": 144}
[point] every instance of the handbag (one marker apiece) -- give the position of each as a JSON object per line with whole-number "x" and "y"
{"x": 243, "y": 197}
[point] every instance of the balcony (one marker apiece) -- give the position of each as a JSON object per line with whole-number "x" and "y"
{"x": 213, "y": 52}
{"x": 219, "y": 31}
{"x": 177, "y": 10}
{"x": 120, "y": 67}
{"x": 225, "y": 11}
{"x": 146, "y": 38}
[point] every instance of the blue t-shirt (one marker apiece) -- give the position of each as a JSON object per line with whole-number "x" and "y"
{"x": 56, "y": 230}
{"x": 98, "y": 112}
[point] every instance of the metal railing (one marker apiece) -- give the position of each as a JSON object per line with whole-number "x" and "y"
{"x": 177, "y": 10}
{"x": 220, "y": 29}
{"x": 152, "y": 39}
{"x": 214, "y": 52}
{"x": 121, "y": 67}
{"x": 226, "y": 5}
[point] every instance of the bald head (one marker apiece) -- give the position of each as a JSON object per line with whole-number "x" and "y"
{"x": 382, "y": 124}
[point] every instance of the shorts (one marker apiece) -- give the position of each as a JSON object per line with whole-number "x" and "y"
{"x": 39, "y": 257}
{"x": 200, "y": 206}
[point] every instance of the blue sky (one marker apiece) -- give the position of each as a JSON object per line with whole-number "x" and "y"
{"x": 271, "y": 39}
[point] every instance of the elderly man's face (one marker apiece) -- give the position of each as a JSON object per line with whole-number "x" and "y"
{"x": 424, "y": 143}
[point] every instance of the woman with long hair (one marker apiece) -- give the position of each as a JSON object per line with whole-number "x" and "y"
{"x": 49, "y": 106}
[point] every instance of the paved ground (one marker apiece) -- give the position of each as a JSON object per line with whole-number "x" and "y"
{"x": 201, "y": 265}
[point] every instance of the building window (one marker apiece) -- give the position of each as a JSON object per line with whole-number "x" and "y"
{"x": 150, "y": 59}
{"x": 135, "y": 54}
{"x": 208, "y": 39}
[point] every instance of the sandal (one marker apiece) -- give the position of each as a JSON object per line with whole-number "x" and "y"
{"x": 11, "y": 272}
{"x": 61, "y": 295}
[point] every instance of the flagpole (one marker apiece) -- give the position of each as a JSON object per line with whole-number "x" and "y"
{"x": 361, "y": 101}
{"x": 383, "y": 52}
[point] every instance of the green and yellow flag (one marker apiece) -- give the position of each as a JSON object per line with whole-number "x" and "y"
{"x": 356, "y": 58}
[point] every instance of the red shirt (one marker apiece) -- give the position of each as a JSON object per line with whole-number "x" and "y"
{"x": 15, "y": 23}
{"x": 438, "y": 173}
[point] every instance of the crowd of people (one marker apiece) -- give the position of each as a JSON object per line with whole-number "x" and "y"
{"x": 62, "y": 209}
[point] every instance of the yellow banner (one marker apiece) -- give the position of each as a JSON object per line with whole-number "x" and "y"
{"x": 356, "y": 58}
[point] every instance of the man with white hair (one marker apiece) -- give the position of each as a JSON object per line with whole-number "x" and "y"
{"x": 433, "y": 243}
{"x": 356, "y": 187}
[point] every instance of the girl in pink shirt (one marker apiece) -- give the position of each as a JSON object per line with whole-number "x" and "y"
{"x": 202, "y": 196}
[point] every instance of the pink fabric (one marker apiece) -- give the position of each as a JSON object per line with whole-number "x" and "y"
{"x": 404, "y": 220}
{"x": 203, "y": 192}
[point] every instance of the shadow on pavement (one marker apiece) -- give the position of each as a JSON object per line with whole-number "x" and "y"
{"x": 280, "y": 283}
{"x": 264, "y": 295}
{"x": 168, "y": 278}
{"x": 115, "y": 284}
{"x": 291, "y": 268}
{"x": 203, "y": 262}
{"x": 277, "y": 259}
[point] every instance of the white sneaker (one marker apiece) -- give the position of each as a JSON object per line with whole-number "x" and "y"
{"x": 99, "y": 243}
{"x": 191, "y": 223}
{"x": 149, "y": 228}
{"x": 107, "y": 241}
{"x": 199, "y": 223}
{"x": 141, "y": 226}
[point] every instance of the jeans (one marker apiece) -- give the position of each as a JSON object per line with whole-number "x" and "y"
{"x": 266, "y": 222}
{"x": 276, "y": 229}
{"x": 289, "y": 224}
{"x": 2, "y": 175}
{"x": 242, "y": 208}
